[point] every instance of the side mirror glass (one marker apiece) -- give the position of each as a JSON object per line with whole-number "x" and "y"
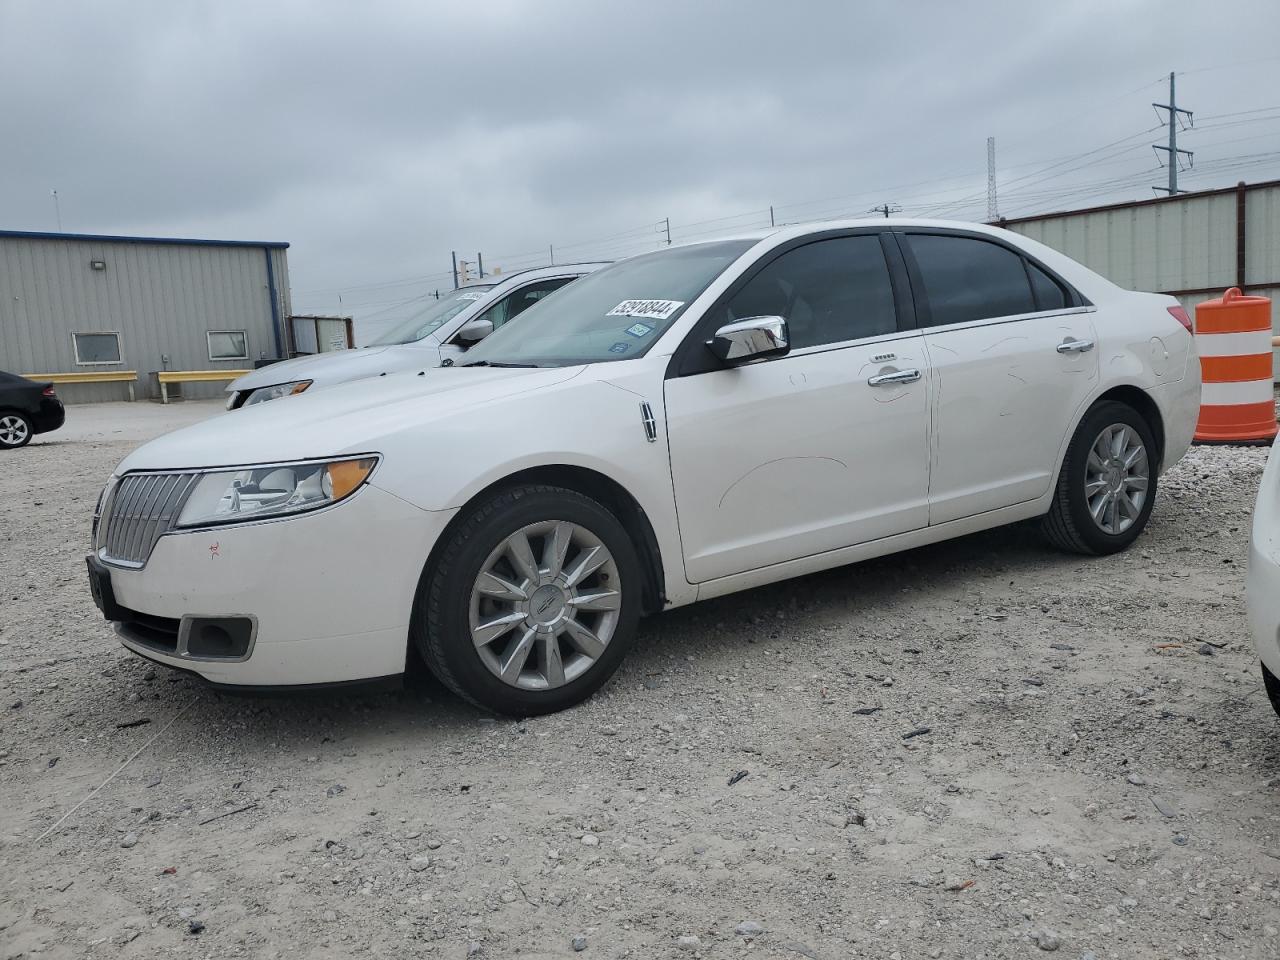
{"x": 755, "y": 338}
{"x": 474, "y": 330}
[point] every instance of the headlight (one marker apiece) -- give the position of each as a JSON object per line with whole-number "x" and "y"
{"x": 263, "y": 394}
{"x": 258, "y": 493}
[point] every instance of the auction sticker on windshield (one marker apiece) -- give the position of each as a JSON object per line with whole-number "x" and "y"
{"x": 654, "y": 309}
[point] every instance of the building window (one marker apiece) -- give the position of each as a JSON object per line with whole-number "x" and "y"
{"x": 97, "y": 348}
{"x": 228, "y": 345}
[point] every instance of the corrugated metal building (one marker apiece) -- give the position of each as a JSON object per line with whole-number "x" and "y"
{"x": 76, "y": 303}
{"x": 1193, "y": 246}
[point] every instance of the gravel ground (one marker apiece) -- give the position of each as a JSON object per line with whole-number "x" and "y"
{"x": 978, "y": 749}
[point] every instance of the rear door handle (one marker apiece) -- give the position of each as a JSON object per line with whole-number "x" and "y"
{"x": 1075, "y": 346}
{"x": 900, "y": 376}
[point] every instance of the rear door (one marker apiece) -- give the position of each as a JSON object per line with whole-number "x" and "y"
{"x": 1012, "y": 349}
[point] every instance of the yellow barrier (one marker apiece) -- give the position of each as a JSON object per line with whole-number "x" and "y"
{"x": 89, "y": 376}
{"x": 166, "y": 377}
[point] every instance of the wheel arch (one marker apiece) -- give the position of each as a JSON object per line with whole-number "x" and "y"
{"x": 590, "y": 483}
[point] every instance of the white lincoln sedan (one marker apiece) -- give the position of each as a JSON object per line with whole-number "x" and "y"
{"x": 676, "y": 426}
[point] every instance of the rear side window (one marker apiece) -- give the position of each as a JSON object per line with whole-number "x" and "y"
{"x": 1049, "y": 293}
{"x": 829, "y": 292}
{"x": 967, "y": 279}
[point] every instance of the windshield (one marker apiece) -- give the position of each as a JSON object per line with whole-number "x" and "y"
{"x": 613, "y": 314}
{"x": 432, "y": 318}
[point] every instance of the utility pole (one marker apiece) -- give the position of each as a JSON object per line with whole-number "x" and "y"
{"x": 480, "y": 264}
{"x": 552, "y": 248}
{"x": 1172, "y": 150}
{"x": 771, "y": 223}
{"x": 455, "y": 269}
{"x": 992, "y": 213}
{"x": 886, "y": 209}
{"x": 667, "y": 224}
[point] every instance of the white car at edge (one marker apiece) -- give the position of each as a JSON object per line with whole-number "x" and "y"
{"x": 440, "y": 333}
{"x": 1263, "y": 588}
{"x": 676, "y": 426}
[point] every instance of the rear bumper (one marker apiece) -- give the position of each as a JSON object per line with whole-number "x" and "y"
{"x": 1179, "y": 404}
{"x": 51, "y": 415}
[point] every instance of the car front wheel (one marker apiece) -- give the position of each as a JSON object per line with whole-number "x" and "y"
{"x": 15, "y": 430}
{"x": 1107, "y": 485}
{"x": 532, "y": 602}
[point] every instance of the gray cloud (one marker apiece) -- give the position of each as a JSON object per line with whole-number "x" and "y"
{"x": 378, "y": 137}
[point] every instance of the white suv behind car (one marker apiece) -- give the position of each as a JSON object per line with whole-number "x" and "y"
{"x": 440, "y": 334}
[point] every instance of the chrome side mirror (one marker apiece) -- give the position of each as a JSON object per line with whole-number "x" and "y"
{"x": 755, "y": 338}
{"x": 475, "y": 330}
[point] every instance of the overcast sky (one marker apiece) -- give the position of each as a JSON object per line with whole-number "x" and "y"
{"x": 378, "y": 137}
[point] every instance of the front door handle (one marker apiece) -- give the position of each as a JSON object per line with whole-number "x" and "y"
{"x": 900, "y": 376}
{"x": 1075, "y": 346}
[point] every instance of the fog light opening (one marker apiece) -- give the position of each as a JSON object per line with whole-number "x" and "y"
{"x": 219, "y": 638}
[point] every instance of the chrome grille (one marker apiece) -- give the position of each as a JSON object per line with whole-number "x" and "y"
{"x": 142, "y": 508}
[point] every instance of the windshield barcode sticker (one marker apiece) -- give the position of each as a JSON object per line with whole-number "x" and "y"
{"x": 470, "y": 296}
{"x": 653, "y": 309}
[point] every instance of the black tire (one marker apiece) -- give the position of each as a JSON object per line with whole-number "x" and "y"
{"x": 27, "y": 430}
{"x": 1068, "y": 525}
{"x": 1272, "y": 684}
{"x": 441, "y": 625}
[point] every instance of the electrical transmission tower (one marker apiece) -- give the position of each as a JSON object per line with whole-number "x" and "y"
{"x": 1173, "y": 150}
{"x": 992, "y": 213}
{"x": 886, "y": 209}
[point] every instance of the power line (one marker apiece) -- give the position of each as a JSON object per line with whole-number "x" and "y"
{"x": 992, "y": 213}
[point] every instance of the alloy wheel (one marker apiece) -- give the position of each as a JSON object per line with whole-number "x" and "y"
{"x": 1117, "y": 477}
{"x": 13, "y": 430}
{"x": 545, "y": 605}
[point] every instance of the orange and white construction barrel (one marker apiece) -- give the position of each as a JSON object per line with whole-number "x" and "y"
{"x": 1233, "y": 338}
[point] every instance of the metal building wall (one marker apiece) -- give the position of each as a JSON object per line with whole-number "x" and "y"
{"x": 1193, "y": 246}
{"x": 161, "y": 297}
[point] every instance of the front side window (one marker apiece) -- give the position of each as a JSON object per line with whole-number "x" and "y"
{"x": 967, "y": 279}
{"x": 616, "y": 313}
{"x": 510, "y": 307}
{"x": 426, "y": 322}
{"x": 830, "y": 291}
{"x": 97, "y": 347}
{"x": 228, "y": 345}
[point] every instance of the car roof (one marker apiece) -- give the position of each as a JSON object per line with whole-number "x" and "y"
{"x": 821, "y": 226}
{"x": 585, "y": 267}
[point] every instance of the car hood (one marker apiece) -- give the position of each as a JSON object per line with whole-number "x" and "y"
{"x": 350, "y": 418}
{"x": 339, "y": 366}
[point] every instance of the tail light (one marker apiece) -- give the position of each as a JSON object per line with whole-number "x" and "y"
{"x": 1180, "y": 315}
{"x": 49, "y": 391}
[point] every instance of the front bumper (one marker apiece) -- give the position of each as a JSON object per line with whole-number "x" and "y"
{"x": 1263, "y": 589}
{"x": 329, "y": 593}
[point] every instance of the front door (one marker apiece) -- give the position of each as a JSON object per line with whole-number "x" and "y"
{"x": 1013, "y": 360}
{"x": 821, "y": 449}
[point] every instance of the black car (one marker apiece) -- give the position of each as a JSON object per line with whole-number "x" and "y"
{"x": 26, "y": 408}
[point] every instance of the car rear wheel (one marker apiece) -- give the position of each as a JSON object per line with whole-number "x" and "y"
{"x": 1107, "y": 486}
{"x": 15, "y": 430}
{"x": 532, "y": 602}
